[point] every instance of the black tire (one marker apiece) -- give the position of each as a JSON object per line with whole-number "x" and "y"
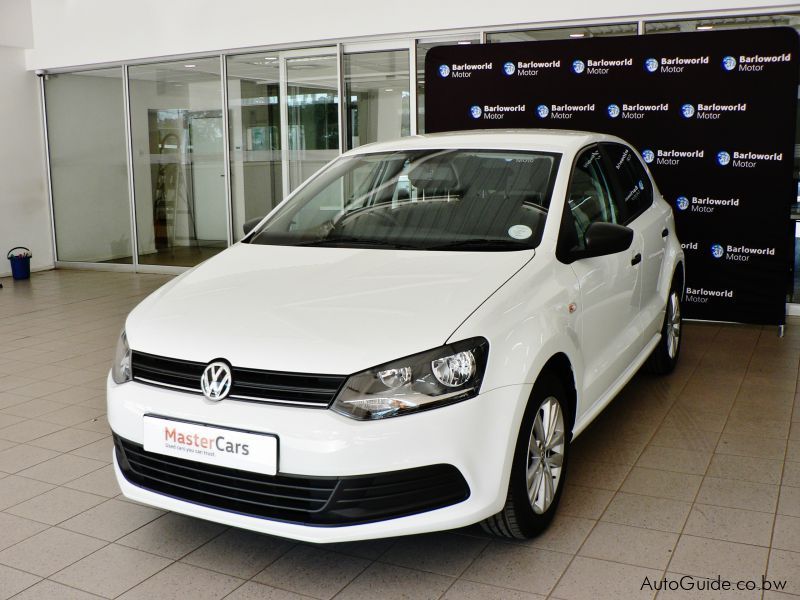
{"x": 665, "y": 356}
{"x": 519, "y": 519}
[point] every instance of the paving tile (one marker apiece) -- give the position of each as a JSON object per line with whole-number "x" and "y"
{"x": 738, "y": 494}
{"x": 787, "y": 533}
{"x": 258, "y": 591}
{"x": 374, "y": 549}
{"x": 61, "y": 469}
{"x": 99, "y": 450}
{"x": 49, "y": 551}
{"x": 50, "y": 590}
{"x": 56, "y": 505}
{"x": 32, "y": 409}
{"x": 646, "y": 511}
{"x": 672, "y": 459}
{"x": 784, "y": 566}
{"x": 580, "y": 501}
{"x": 564, "y": 534}
{"x": 111, "y": 570}
{"x": 662, "y": 484}
{"x": 597, "y": 475}
{"x": 180, "y": 581}
{"x": 67, "y": 439}
{"x": 312, "y": 571}
{"x": 13, "y": 581}
{"x": 469, "y": 590}
{"x": 112, "y": 519}
{"x": 705, "y": 557}
{"x": 172, "y": 535}
{"x": 789, "y": 501}
{"x": 14, "y": 489}
{"x": 40, "y": 388}
{"x": 72, "y": 415}
{"x": 791, "y": 473}
{"x": 590, "y": 578}
{"x": 22, "y": 457}
{"x": 730, "y": 524}
{"x": 15, "y": 529}
{"x": 442, "y": 553}
{"x": 745, "y": 468}
{"x": 673, "y": 437}
{"x": 102, "y": 482}
{"x": 631, "y": 545}
{"x": 27, "y": 430}
{"x": 518, "y": 567}
{"x": 391, "y": 582}
{"x": 239, "y": 552}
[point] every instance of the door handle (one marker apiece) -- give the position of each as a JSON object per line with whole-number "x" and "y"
{"x": 665, "y": 233}
{"x": 636, "y": 259}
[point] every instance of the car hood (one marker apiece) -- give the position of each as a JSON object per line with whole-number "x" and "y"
{"x": 317, "y": 310}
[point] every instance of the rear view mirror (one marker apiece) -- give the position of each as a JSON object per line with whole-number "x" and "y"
{"x": 251, "y": 224}
{"x": 605, "y": 238}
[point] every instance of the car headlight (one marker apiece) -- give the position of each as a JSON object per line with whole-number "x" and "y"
{"x": 121, "y": 369}
{"x": 420, "y": 382}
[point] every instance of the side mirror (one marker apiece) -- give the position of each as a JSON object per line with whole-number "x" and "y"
{"x": 605, "y": 238}
{"x": 251, "y": 224}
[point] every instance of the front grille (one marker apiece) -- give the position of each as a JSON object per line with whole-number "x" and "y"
{"x": 248, "y": 384}
{"x": 317, "y": 501}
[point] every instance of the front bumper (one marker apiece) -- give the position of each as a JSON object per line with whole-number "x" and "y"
{"x": 476, "y": 437}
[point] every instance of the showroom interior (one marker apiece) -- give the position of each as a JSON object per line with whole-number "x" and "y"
{"x": 138, "y": 139}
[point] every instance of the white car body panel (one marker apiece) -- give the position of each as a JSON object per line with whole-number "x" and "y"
{"x": 343, "y": 310}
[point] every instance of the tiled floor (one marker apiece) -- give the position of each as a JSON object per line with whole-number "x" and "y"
{"x": 697, "y": 473}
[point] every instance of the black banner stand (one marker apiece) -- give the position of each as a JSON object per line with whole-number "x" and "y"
{"x": 712, "y": 113}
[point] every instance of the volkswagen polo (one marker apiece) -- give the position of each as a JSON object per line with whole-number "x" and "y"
{"x": 408, "y": 343}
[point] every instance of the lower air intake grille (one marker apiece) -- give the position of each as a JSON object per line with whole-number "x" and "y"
{"x": 307, "y": 500}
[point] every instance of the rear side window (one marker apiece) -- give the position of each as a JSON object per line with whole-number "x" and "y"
{"x": 635, "y": 192}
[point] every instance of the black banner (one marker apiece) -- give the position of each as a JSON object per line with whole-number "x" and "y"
{"x": 712, "y": 113}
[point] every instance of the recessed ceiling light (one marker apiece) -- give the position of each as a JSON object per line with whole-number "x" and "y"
{"x": 190, "y": 66}
{"x": 388, "y": 90}
{"x": 704, "y": 27}
{"x": 577, "y": 35}
{"x": 463, "y": 43}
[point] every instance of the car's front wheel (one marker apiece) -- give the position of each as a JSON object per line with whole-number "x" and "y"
{"x": 540, "y": 463}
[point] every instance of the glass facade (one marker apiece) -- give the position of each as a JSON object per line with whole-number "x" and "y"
{"x": 289, "y": 112}
{"x": 254, "y": 121}
{"x": 378, "y": 96}
{"x": 88, "y": 166}
{"x": 178, "y": 169}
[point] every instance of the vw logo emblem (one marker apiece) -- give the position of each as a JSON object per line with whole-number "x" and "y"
{"x": 216, "y": 381}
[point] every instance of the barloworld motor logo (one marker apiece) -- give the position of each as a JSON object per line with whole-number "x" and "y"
{"x": 687, "y": 110}
{"x": 578, "y": 66}
{"x": 651, "y": 65}
{"x": 648, "y": 156}
{"x": 444, "y": 70}
{"x": 717, "y": 251}
{"x": 542, "y": 111}
{"x": 729, "y": 63}
{"x": 613, "y": 111}
{"x": 723, "y": 158}
{"x": 475, "y": 111}
{"x": 509, "y": 68}
{"x": 682, "y": 202}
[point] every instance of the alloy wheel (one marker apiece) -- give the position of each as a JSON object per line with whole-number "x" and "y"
{"x": 545, "y": 457}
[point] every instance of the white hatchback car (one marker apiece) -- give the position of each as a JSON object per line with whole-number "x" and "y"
{"x": 408, "y": 343}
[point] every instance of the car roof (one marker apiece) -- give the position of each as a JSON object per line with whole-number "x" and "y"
{"x": 547, "y": 140}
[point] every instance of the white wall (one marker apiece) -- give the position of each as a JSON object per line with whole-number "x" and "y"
{"x": 24, "y": 211}
{"x": 70, "y": 33}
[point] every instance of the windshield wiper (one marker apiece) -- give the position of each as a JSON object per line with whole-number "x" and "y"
{"x": 353, "y": 241}
{"x": 479, "y": 244}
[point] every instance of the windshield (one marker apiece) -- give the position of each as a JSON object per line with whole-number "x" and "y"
{"x": 421, "y": 200}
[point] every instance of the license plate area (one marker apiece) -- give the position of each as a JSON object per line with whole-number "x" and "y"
{"x": 220, "y": 446}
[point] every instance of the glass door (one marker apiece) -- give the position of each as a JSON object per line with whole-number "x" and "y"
{"x": 310, "y": 114}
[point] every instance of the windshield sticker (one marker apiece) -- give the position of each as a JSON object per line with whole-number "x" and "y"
{"x": 520, "y": 232}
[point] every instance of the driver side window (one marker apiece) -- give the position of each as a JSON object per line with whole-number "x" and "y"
{"x": 589, "y": 195}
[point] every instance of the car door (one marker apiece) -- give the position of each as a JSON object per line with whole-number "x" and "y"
{"x": 609, "y": 285}
{"x": 649, "y": 223}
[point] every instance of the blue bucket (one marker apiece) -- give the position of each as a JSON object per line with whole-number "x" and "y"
{"x": 20, "y": 263}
